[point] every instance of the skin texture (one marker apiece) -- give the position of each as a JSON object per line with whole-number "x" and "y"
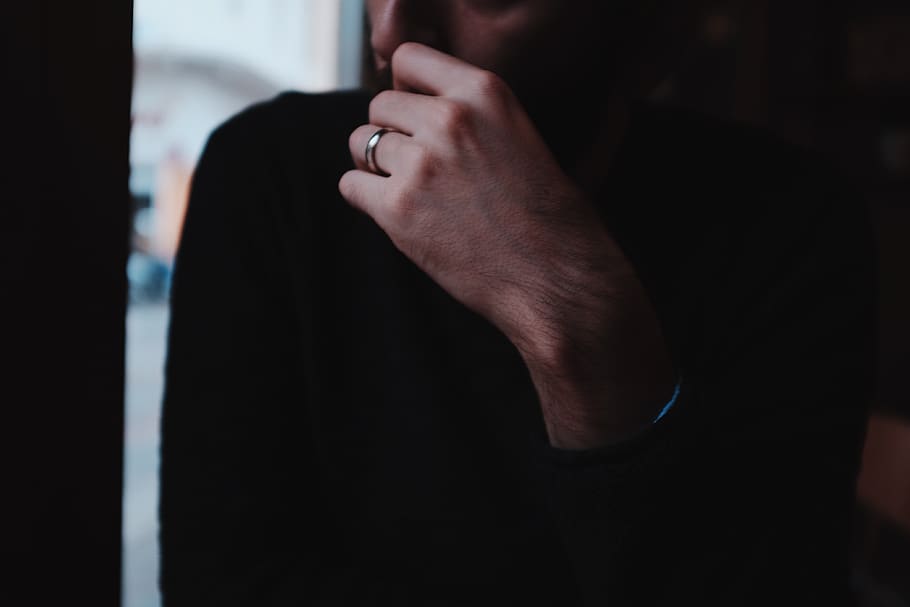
{"x": 484, "y": 202}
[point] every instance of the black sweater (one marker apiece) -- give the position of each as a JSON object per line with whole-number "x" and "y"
{"x": 338, "y": 430}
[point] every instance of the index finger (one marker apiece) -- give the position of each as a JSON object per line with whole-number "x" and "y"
{"x": 423, "y": 69}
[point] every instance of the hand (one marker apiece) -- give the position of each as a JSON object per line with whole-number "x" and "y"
{"x": 475, "y": 198}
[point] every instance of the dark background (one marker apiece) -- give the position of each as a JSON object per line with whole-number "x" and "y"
{"x": 66, "y": 88}
{"x": 833, "y": 75}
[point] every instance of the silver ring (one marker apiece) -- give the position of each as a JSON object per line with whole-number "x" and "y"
{"x": 371, "y": 152}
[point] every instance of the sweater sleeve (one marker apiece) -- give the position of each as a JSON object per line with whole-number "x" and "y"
{"x": 234, "y": 529}
{"x": 743, "y": 494}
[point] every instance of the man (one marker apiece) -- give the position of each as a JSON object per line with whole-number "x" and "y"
{"x": 499, "y": 336}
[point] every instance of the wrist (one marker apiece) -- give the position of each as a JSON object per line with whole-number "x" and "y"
{"x": 601, "y": 382}
{"x": 588, "y": 415}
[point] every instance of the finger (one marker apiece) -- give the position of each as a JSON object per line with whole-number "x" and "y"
{"x": 405, "y": 112}
{"x": 391, "y": 153}
{"x": 417, "y": 67}
{"x": 363, "y": 191}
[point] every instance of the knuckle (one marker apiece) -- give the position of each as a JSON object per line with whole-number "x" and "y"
{"x": 354, "y": 139}
{"x": 407, "y": 47}
{"x": 377, "y": 103}
{"x": 425, "y": 166}
{"x": 489, "y": 84}
{"x": 454, "y": 118}
{"x": 346, "y": 186}
{"x": 374, "y": 108}
{"x": 403, "y": 50}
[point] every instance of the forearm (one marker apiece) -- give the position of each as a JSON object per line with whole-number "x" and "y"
{"x": 597, "y": 358}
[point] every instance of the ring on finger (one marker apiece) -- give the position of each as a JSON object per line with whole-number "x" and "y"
{"x": 370, "y": 153}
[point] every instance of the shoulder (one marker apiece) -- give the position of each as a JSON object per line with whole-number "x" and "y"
{"x": 281, "y": 155}
{"x": 273, "y": 158}
{"x": 292, "y": 127}
{"x": 290, "y": 112}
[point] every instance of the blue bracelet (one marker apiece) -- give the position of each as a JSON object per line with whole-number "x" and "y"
{"x": 671, "y": 403}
